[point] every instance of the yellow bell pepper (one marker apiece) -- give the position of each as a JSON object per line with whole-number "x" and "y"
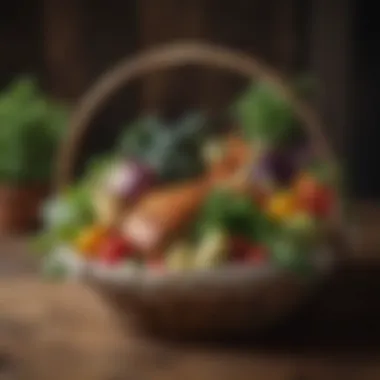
{"x": 90, "y": 239}
{"x": 282, "y": 205}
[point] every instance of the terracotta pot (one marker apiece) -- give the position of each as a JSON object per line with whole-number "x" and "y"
{"x": 20, "y": 207}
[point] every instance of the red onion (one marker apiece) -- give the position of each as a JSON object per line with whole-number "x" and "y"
{"x": 130, "y": 179}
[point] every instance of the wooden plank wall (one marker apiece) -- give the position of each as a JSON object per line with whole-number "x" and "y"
{"x": 72, "y": 42}
{"x": 331, "y": 52}
{"x": 263, "y": 28}
{"x": 20, "y": 40}
{"x": 64, "y": 55}
{"x": 109, "y": 34}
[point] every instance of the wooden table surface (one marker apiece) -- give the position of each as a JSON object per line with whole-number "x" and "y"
{"x": 65, "y": 331}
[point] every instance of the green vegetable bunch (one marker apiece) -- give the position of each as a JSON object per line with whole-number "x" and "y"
{"x": 31, "y": 127}
{"x": 264, "y": 115}
{"x": 67, "y": 213}
{"x": 96, "y": 170}
{"x": 237, "y": 214}
{"x": 173, "y": 150}
{"x": 64, "y": 216}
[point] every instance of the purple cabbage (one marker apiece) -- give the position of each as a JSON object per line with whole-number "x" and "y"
{"x": 281, "y": 165}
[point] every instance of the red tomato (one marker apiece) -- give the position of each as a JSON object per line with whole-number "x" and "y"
{"x": 318, "y": 203}
{"x": 313, "y": 197}
{"x": 114, "y": 249}
{"x": 238, "y": 248}
{"x": 257, "y": 255}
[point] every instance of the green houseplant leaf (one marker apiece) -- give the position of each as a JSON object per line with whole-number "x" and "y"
{"x": 31, "y": 128}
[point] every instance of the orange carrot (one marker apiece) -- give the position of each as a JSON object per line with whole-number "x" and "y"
{"x": 237, "y": 155}
{"x": 160, "y": 215}
{"x": 238, "y": 151}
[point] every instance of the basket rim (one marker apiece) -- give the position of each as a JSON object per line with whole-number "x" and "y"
{"x": 232, "y": 275}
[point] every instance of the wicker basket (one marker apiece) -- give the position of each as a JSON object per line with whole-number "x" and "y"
{"x": 200, "y": 304}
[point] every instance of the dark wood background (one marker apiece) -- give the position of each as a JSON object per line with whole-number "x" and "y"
{"x": 70, "y": 43}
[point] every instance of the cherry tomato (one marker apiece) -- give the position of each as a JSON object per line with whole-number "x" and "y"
{"x": 313, "y": 197}
{"x": 257, "y": 255}
{"x": 115, "y": 249}
{"x": 239, "y": 248}
{"x": 320, "y": 204}
{"x": 305, "y": 184}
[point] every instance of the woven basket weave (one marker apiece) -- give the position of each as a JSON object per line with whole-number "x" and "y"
{"x": 209, "y": 303}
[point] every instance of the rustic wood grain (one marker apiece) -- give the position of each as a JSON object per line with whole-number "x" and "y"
{"x": 332, "y": 62}
{"x": 63, "y": 47}
{"x": 66, "y": 331}
{"x": 174, "y": 21}
{"x": 16, "y": 257}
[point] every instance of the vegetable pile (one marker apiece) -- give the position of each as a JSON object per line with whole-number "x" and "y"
{"x": 179, "y": 197}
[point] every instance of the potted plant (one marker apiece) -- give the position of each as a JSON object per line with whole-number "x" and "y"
{"x": 31, "y": 127}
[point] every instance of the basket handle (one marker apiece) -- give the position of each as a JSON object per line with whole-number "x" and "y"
{"x": 168, "y": 57}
